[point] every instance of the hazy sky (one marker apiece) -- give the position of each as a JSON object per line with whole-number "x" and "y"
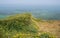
{"x": 31, "y": 2}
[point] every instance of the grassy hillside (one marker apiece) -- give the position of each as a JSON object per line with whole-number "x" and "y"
{"x": 20, "y": 26}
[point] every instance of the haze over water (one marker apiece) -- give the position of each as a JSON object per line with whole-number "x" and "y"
{"x": 45, "y": 9}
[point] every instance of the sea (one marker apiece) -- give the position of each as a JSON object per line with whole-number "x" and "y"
{"x": 47, "y": 12}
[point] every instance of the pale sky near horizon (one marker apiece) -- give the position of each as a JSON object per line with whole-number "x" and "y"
{"x": 31, "y": 2}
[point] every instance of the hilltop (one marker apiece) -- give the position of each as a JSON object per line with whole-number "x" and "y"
{"x": 23, "y": 26}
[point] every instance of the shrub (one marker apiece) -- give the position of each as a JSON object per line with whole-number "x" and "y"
{"x": 46, "y": 35}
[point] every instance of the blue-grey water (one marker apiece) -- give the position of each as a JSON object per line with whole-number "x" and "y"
{"x": 43, "y": 12}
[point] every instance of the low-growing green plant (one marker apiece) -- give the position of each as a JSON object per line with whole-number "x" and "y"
{"x": 46, "y": 35}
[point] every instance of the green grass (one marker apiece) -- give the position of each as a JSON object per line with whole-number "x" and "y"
{"x": 20, "y": 23}
{"x": 19, "y": 26}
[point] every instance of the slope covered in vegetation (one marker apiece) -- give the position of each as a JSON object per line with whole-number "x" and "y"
{"x": 20, "y": 26}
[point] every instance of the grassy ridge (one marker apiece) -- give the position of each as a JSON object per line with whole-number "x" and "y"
{"x": 20, "y": 23}
{"x": 19, "y": 26}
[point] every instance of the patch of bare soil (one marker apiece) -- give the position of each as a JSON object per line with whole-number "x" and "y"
{"x": 50, "y": 26}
